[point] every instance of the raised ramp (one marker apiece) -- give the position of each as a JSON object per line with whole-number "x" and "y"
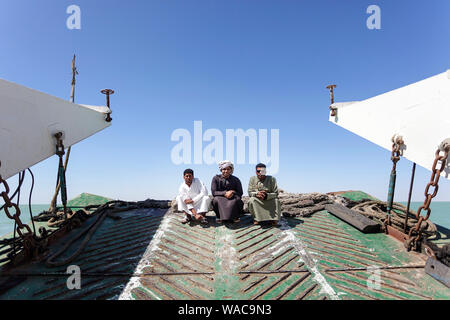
{"x": 149, "y": 254}
{"x": 418, "y": 112}
{"x": 29, "y": 119}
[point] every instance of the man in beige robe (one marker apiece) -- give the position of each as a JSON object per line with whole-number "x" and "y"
{"x": 263, "y": 204}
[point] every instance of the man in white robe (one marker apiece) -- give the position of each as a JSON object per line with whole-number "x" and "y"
{"x": 193, "y": 198}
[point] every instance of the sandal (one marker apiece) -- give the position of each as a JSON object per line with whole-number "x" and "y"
{"x": 255, "y": 222}
{"x": 198, "y": 217}
{"x": 186, "y": 220}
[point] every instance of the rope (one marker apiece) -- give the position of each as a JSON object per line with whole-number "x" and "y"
{"x": 21, "y": 177}
{"x": 376, "y": 210}
{"x": 90, "y": 231}
{"x": 29, "y": 200}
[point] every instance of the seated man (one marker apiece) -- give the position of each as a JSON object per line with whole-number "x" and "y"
{"x": 193, "y": 198}
{"x": 227, "y": 192}
{"x": 263, "y": 192}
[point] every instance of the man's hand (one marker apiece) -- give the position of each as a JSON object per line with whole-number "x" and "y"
{"x": 188, "y": 201}
{"x": 261, "y": 195}
{"x": 229, "y": 194}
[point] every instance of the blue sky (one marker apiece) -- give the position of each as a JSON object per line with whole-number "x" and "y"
{"x": 231, "y": 64}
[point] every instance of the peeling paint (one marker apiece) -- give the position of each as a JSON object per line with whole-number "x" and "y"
{"x": 134, "y": 281}
{"x": 310, "y": 263}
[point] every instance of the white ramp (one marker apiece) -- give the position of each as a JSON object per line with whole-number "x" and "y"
{"x": 29, "y": 119}
{"x": 420, "y": 113}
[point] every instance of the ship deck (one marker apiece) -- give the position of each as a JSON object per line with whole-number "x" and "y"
{"x": 149, "y": 254}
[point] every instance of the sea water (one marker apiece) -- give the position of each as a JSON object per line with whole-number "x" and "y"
{"x": 7, "y": 225}
{"x": 440, "y": 212}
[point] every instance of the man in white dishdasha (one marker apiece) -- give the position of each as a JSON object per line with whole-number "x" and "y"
{"x": 193, "y": 198}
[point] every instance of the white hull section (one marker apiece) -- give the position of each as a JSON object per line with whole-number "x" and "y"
{"x": 29, "y": 119}
{"x": 420, "y": 113}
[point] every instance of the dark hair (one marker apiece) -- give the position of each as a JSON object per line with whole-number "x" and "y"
{"x": 188, "y": 171}
{"x": 260, "y": 165}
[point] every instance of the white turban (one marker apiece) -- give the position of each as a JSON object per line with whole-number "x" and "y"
{"x": 225, "y": 164}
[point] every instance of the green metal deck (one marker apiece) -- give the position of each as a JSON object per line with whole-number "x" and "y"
{"x": 149, "y": 254}
{"x": 319, "y": 257}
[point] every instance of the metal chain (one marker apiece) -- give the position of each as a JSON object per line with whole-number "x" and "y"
{"x": 397, "y": 143}
{"x": 28, "y": 239}
{"x": 413, "y": 241}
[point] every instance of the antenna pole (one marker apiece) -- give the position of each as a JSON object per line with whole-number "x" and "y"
{"x": 72, "y": 99}
{"x": 74, "y": 73}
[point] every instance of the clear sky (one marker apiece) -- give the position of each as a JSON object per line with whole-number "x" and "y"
{"x": 250, "y": 64}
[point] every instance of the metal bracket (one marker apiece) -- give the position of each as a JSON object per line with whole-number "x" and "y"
{"x": 59, "y": 143}
{"x": 445, "y": 145}
{"x": 398, "y": 140}
{"x": 438, "y": 270}
{"x": 108, "y": 92}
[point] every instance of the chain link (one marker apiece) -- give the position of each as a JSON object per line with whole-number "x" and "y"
{"x": 397, "y": 143}
{"x": 28, "y": 235}
{"x": 413, "y": 240}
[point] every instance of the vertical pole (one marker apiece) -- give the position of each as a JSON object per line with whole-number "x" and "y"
{"x": 331, "y": 88}
{"x": 409, "y": 196}
{"x": 72, "y": 99}
{"x": 391, "y": 191}
{"x": 396, "y": 153}
{"x": 61, "y": 172}
{"x": 74, "y": 72}
{"x": 62, "y": 182}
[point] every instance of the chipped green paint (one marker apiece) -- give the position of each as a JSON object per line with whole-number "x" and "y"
{"x": 251, "y": 262}
{"x": 87, "y": 199}
{"x": 357, "y": 195}
{"x": 226, "y": 281}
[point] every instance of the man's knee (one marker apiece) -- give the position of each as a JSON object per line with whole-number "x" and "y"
{"x": 179, "y": 203}
{"x": 206, "y": 200}
{"x": 182, "y": 207}
{"x": 278, "y": 203}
